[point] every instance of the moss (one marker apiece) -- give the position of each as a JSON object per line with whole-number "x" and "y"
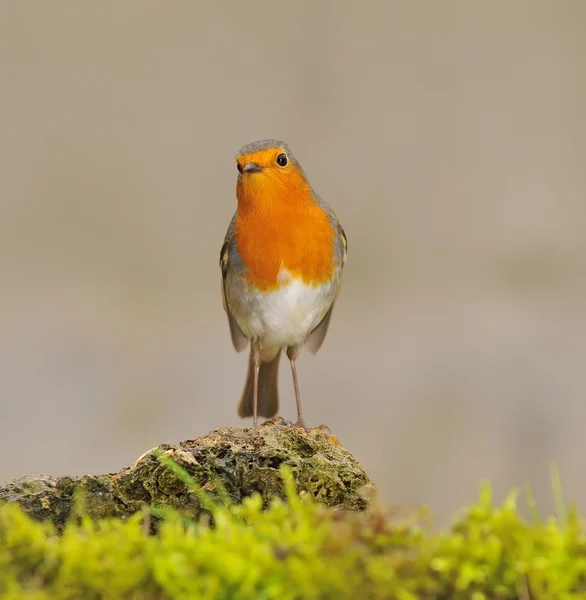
{"x": 230, "y": 461}
{"x": 275, "y": 513}
{"x": 295, "y": 549}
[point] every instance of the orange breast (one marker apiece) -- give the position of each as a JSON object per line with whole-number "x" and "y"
{"x": 295, "y": 236}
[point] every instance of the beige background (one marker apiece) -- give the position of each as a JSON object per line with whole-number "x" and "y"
{"x": 450, "y": 137}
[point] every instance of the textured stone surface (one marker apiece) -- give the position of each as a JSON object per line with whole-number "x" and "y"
{"x": 236, "y": 461}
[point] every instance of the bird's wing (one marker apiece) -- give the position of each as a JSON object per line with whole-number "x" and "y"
{"x": 341, "y": 246}
{"x": 343, "y": 240}
{"x": 239, "y": 340}
{"x": 316, "y": 337}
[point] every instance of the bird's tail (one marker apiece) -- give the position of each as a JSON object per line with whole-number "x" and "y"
{"x": 268, "y": 396}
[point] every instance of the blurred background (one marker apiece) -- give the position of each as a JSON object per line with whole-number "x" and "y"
{"x": 449, "y": 137}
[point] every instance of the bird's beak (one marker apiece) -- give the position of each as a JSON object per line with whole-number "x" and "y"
{"x": 252, "y": 168}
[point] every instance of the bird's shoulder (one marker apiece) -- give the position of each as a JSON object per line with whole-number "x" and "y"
{"x": 341, "y": 241}
{"x": 228, "y": 247}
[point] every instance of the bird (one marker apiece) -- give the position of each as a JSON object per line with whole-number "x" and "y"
{"x": 281, "y": 262}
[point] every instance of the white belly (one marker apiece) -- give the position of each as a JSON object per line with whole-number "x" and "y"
{"x": 283, "y": 317}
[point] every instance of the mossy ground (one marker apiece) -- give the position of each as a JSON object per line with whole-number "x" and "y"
{"x": 296, "y": 545}
{"x": 237, "y": 462}
{"x": 294, "y": 549}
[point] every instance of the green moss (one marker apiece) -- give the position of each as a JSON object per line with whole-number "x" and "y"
{"x": 277, "y": 512}
{"x": 294, "y": 549}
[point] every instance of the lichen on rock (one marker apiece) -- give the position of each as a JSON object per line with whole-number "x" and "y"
{"x": 228, "y": 461}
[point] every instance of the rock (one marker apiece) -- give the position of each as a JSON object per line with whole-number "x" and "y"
{"x": 228, "y": 461}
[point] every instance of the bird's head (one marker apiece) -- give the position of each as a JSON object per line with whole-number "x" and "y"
{"x": 268, "y": 172}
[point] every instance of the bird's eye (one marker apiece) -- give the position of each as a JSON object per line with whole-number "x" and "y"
{"x": 239, "y": 167}
{"x": 282, "y": 160}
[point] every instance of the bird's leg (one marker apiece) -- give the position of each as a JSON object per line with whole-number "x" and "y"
{"x": 292, "y": 352}
{"x": 256, "y": 360}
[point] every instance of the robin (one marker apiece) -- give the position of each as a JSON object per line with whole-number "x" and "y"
{"x": 281, "y": 264}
